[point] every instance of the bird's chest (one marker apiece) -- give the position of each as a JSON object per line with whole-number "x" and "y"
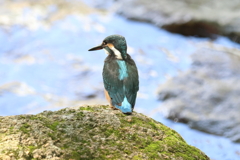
{"x": 122, "y": 69}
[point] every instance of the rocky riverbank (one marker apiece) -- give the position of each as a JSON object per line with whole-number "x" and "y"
{"x": 90, "y": 132}
{"x": 206, "y": 18}
{"x": 206, "y": 96}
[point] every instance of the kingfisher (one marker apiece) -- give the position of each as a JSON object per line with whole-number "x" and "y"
{"x": 120, "y": 74}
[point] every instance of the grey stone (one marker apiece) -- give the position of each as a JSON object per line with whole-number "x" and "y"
{"x": 203, "y": 18}
{"x": 206, "y": 96}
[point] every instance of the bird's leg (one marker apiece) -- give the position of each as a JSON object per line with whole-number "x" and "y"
{"x": 114, "y": 108}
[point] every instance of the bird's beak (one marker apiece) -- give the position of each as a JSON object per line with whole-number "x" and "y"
{"x": 96, "y": 48}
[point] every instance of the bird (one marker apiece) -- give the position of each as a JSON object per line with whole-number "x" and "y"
{"x": 120, "y": 74}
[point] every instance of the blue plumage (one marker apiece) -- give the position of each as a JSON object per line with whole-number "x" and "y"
{"x": 120, "y": 75}
{"x": 125, "y": 107}
{"x": 122, "y": 69}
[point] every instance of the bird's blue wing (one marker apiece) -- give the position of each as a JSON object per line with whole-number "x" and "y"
{"x": 119, "y": 89}
{"x": 131, "y": 83}
{"x": 112, "y": 84}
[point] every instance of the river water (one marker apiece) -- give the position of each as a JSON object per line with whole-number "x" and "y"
{"x": 48, "y": 68}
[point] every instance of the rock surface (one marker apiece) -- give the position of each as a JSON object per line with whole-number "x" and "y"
{"x": 206, "y": 97}
{"x": 203, "y": 18}
{"x": 90, "y": 132}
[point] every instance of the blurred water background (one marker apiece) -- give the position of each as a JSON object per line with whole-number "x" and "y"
{"x": 45, "y": 65}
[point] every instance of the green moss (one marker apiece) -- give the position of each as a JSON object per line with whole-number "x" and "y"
{"x": 104, "y": 107}
{"x": 11, "y": 130}
{"x": 33, "y": 117}
{"x": 153, "y": 147}
{"x": 52, "y": 135}
{"x": 88, "y": 108}
{"x": 53, "y": 126}
{"x": 98, "y": 132}
{"x": 25, "y": 128}
{"x": 79, "y": 115}
{"x": 154, "y": 126}
{"x": 32, "y": 148}
{"x": 137, "y": 157}
{"x": 74, "y": 155}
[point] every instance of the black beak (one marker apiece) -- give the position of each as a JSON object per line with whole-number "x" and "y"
{"x": 96, "y": 48}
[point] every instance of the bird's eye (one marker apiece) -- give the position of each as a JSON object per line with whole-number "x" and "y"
{"x": 104, "y": 42}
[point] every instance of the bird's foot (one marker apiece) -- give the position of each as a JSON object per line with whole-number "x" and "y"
{"x": 114, "y": 108}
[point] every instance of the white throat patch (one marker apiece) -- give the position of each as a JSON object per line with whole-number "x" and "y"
{"x": 116, "y": 52}
{"x": 106, "y": 51}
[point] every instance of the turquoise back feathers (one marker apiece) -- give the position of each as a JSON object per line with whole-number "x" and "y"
{"x": 122, "y": 69}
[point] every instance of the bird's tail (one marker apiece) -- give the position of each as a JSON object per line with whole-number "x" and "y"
{"x": 126, "y": 107}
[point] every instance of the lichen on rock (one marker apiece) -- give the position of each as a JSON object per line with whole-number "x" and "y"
{"x": 91, "y": 132}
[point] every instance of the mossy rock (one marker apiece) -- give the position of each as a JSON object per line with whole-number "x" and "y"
{"x": 91, "y": 132}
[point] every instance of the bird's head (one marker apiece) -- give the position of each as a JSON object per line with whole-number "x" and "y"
{"x": 113, "y": 45}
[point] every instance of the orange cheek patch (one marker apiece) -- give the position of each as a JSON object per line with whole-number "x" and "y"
{"x": 110, "y": 45}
